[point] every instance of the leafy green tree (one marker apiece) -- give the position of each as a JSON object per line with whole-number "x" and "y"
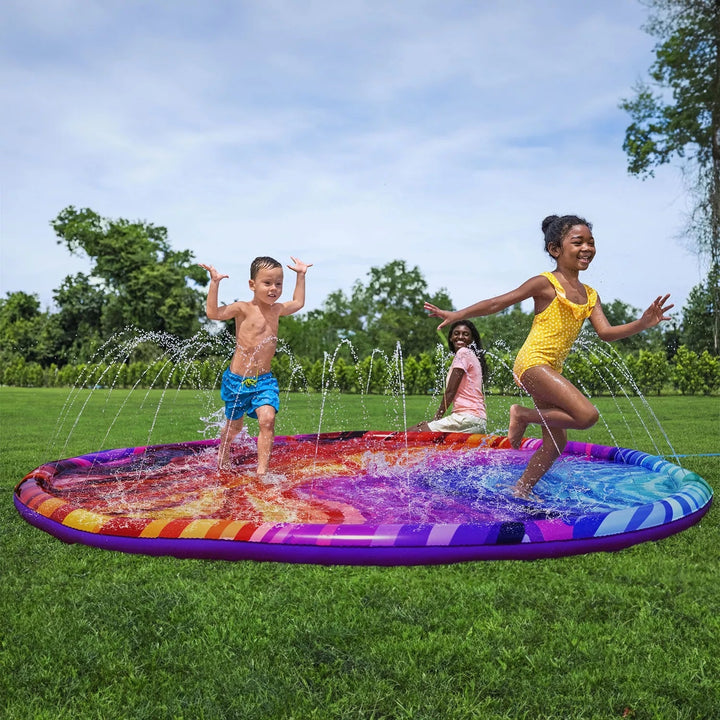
{"x": 316, "y": 332}
{"x": 698, "y": 318}
{"x": 506, "y": 330}
{"x": 389, "y": 310}
{"x": 650, "y": 370}
{"x": 422, "y": 376}
{"x": 677, "y": 115}
{"x": 378, "y": 314}
{"x": 500, "y": 373}
{"x": 26, "y": 332}
{"x": 374, "y": 372}
{"x": 137, "y": 279}
{"x": 19, "y": 315}
{"x": 709, "y": 369}
{"x": 590, "y": 371}
{"x": 80, "y": 316}
{"x": 687, "y": 376}
{"x": 618, "y": 312}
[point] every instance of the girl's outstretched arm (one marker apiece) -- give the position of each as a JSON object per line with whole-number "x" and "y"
{"x": 655, "y": 314}
{"x": 536, "y": 287}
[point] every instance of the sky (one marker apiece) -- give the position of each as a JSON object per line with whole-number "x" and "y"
{"x": 347, "y": 134}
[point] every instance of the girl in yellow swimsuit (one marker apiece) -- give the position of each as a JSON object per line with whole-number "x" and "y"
{"x": 562, "y": 304}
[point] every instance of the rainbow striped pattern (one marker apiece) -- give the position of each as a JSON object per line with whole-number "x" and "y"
{"x": 354, "y": 498}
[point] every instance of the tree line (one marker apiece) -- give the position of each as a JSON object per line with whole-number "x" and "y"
{"x": 138, "y": 287}
{"x": 596, "y": 370}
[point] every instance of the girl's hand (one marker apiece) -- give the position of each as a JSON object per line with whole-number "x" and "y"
{"x": 435, "y": 311}
{"x": 656, "y": 312}
{"x": 299, "y": 267}
{"x": 214, "y": 274}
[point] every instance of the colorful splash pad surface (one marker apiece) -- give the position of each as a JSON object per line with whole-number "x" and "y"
{"x": 361, "y": 498}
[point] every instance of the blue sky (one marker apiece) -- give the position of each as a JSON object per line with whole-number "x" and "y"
{"x": 348, "y": 134}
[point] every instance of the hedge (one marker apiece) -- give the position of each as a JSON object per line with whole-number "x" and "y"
{"x": 596, "y": 370}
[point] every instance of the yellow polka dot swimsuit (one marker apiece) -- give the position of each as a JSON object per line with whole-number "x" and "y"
{"x": 554, "y": 330}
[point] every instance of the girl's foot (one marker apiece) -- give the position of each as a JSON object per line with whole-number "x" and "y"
{"x": 525, "y": 493}
{"x": 517, "y": 426}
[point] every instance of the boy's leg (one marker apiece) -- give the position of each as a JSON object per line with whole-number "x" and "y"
{"x": 266, "y": 436}
{"x": 231, "y": 429}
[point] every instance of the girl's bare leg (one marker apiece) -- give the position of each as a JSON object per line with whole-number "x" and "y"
{"x": 266, "y": 436}
{"x": 554, "y": 441}
{"x": 558, "y": 404}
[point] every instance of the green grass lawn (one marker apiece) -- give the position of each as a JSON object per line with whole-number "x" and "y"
{"x": 88, "y": 633}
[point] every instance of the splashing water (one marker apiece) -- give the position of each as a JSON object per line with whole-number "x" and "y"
{"x": 175, "y": 363}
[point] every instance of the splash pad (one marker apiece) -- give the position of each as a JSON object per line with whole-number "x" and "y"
{"x": 360, "y": 497}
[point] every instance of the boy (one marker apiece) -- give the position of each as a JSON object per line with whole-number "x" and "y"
{"x": 248, "y": 387}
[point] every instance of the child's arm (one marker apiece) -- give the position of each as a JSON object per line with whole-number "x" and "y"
{"x": 534, "y": 287}
{"x": 213, "y": 310}
{"x": 650, "y": 318}
{"x": 453, "y": 383}
{"x": 298, "y": 299}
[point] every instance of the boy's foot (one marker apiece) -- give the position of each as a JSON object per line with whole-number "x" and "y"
{"x": 517, "y": 426}
{"x": 272, "y": 478}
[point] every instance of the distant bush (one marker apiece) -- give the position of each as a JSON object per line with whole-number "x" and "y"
{"x": 594, "y": 371}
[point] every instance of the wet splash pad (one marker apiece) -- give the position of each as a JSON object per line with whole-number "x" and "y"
{"x": 361, "y": 498}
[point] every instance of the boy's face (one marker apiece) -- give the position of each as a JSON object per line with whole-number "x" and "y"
{"x": 267, "y": 285}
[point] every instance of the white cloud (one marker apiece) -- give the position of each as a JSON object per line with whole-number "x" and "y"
{"x": 348, "y": 134}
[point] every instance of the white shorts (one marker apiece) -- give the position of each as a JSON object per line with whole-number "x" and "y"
{"x": 459, "y": 422}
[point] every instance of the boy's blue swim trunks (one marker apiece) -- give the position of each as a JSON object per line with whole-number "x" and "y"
{"x": 243, "y": 395}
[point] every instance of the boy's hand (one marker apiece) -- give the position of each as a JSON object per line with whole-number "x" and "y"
{"x": 299, "y": 266}
{"x": 214, "y": 274}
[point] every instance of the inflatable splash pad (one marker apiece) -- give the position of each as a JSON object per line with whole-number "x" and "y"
{"x": 361, "y": 498}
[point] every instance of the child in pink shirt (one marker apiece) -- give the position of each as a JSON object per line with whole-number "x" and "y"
{"x": 463, "y": 387}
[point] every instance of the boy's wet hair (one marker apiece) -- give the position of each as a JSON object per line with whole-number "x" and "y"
{"x": 556, "y": 227}
{"x": 262, "y": 263}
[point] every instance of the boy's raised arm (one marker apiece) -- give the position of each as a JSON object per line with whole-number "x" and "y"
{"x": 212, "y": 309}
{"x": 298, "y": 300}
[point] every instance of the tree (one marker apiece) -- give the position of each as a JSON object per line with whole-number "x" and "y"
{"x": 618, "y": 313}
{"x": 137, "y": 279}
{"x": 27, "y": 333}
{"x": 506, "y": 330}
{"x": 697, "y": 318}
{"x": 391, "y": 308}
{"x": 79, "y": 319}
{"x": 375, "y": 316}
{"x": 684, "y": 123}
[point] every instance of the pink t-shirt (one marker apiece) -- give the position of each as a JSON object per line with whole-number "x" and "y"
{"x": 469, "y": 398}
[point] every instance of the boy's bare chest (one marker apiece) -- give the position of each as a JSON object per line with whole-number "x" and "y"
{"x": 259, "y": 325}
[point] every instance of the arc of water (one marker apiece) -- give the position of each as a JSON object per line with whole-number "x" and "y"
{"x": 617, "y": 361}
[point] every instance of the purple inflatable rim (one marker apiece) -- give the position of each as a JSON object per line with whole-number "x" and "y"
{"x": 347, "y": 544}
{"x": 203, "y": 549}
